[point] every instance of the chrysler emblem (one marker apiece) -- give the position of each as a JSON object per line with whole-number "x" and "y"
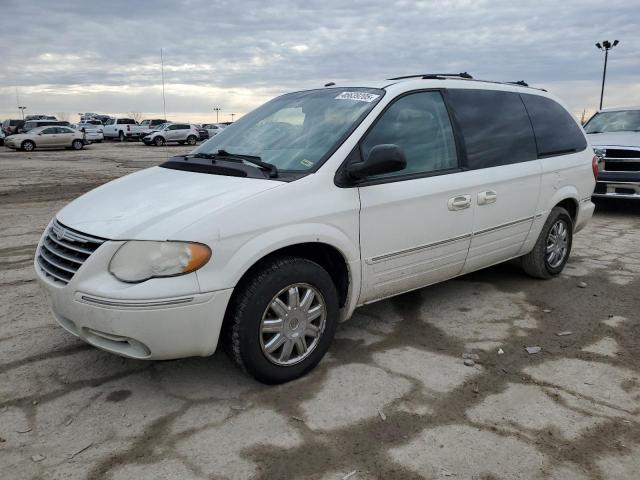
{"x": 60, "y": 233}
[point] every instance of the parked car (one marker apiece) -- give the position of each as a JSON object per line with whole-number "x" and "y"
{"x": 151, "y": 124}
{"x": 31, "y": 124}
{"x": 270, "y": 233}
{"x": 173, "y": 133}
{"x": 40, "y": 117}
{"x": 92, "y": 133}
{"x": 46, "y": 137}
{"x": 122, "y": 129}
{"x": 203, "y": 133}
{"x": 150, "y": 130}
{"x": 11, "y": 127}
{"x": 615, "y": 136}
{"x": 214, "y": 128}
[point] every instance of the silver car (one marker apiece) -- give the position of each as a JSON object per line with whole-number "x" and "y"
{"x": 46, "y": 137}
{"x": 92, "y": 133}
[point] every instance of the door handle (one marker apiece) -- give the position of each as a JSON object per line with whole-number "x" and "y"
{"x": 485, "y": 198}
{"x": 459, "y": 202}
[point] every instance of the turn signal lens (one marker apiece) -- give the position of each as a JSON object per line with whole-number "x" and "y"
{"x": 595, "y": 167}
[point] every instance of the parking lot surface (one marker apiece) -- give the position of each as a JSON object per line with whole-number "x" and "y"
{"x": 393, "y": 398}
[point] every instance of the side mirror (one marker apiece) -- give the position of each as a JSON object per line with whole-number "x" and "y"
{"x": 385, "y": 158}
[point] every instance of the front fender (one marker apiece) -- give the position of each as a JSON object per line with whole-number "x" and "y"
{"x": 243, "y": 258}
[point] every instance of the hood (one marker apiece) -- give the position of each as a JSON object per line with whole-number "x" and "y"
{"x": 156, "y": 203}
{"x": 615, "y": 139}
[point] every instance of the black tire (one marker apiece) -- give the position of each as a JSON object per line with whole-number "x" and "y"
{"x": 181, "y": 143}
{"x": 192, "y": 140}
{"x": 121, "y": 136}
{"x": 241, "y": 334}
{"x": 28, "y": 146}
{"x": 158, "y": 141}
{"x": 536, "y": 262}
{"x": 77, "y": 145}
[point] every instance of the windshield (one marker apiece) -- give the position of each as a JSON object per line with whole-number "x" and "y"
{"x": 621, "y": 121}
{"x": 297, "y": 131}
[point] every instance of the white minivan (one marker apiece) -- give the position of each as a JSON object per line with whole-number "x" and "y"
{"x": 276, "y": 229}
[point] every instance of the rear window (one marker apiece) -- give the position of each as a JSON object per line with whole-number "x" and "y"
{"x": 555, "y": 129}
{"x": 126, "y": 121}
{"x": 495, "y": 127}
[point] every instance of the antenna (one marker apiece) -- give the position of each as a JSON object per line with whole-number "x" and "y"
{"x": 164, "y": 101}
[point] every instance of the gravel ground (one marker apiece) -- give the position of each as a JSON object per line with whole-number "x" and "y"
{"x": 393, "y": 398}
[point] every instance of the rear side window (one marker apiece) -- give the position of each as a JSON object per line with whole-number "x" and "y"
{"x": 556, "y": 131}
{"x": 419, "y": 124}
{"x": 495, "y": 127}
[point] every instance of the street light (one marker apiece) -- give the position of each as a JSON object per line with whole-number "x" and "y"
{"x": 216, "y": 109}
{"x": 232, "y": 115}
{"x": 606, "y": 46}
{"x": 22, "y": 109}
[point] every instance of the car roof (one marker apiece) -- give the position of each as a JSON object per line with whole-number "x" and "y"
{"x": 619, "y": 109}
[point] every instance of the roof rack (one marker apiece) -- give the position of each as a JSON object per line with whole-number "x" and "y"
{"x": 435, "y": 76}
{"x": 522, "y": 83}
{"x": 462, "y": 75}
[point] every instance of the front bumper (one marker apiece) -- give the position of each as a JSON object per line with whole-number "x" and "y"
{"x": 157, "y": 321}
{"x": 618, "y": 185}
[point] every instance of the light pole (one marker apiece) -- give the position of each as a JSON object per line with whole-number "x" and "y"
{"x": 217, "y": 110}
{"x": 232, "y": 115}
{"x": 606, "y": 46}
{"x": 22, "y": 109}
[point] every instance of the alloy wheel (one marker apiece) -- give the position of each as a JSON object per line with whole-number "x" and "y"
{"x": 557, "y": 244}
{"x": 292, "y": 324}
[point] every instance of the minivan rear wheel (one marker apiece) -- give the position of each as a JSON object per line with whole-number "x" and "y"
{"x": 552, "y": 249}
{"x": 281, "y": 321}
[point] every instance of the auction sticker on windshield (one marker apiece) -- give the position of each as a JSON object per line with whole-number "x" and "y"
{"x": 359, "y": 96}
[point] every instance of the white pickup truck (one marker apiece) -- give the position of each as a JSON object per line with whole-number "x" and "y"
{"x": 122, "y": 129}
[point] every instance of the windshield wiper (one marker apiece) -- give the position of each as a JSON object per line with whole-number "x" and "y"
{"x": 212, "y": 156}
{"x": 253, "y": 159}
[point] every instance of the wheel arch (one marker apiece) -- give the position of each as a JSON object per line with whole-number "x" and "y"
{"x": 332, "y": 250}
{"x": 568, "y": 198}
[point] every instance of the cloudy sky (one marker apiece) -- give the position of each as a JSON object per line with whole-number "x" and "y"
{"x": 68, "y": 56}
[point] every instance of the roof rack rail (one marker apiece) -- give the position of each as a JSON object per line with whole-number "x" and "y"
{"x": 434, "y": 76}
{"x": 522, "y": 83}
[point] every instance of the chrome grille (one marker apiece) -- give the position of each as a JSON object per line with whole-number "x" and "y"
{"x": 621, "y": 160}
{"x": 63, "y": 251}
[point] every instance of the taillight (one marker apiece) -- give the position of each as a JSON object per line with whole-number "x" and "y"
{"x": 594, "y": 165}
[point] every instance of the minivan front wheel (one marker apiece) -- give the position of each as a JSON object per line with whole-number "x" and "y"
{"x": 282, "y": 320}
{"x": 552, "y": 249}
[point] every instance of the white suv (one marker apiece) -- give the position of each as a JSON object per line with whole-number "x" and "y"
{"x": 319, "y": 201}
{"x": 173, "y": 133}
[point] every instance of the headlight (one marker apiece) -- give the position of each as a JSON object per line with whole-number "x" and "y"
{"x": 600, "y": 152}
{"x": 137, "y": 261}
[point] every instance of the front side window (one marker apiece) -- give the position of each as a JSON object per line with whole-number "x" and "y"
{"x": 621, "y": 121}
{"x": 495, "y": 127}
{"x": 419, "y": 124}
{"x": 297, "y": 131}
{"x": 556, "y": 131}
{"x": 50, "y": 131}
